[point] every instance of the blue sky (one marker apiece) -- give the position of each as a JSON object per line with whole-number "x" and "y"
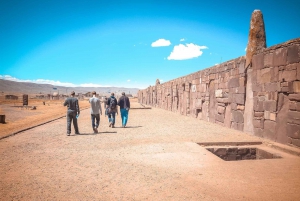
{"x": 130, "y": 43}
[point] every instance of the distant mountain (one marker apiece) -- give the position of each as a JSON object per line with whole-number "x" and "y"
{"x": 7, "y": 86}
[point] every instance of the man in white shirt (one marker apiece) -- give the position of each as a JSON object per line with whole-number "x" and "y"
{"x": 95, "y": 111}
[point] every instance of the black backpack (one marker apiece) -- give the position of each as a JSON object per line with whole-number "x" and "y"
{"x": 113, "y": 103}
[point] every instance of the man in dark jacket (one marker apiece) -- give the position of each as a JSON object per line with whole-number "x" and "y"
{"x": 124, "y": 104}
{"x": 73, "y": 110}
{"x": 112, "y": 110}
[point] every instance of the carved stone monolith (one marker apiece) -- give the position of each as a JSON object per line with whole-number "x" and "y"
{"x": 257, "y": 36}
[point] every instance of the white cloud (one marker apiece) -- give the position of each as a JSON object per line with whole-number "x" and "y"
{"x": 182, "y": 39}
{"x": 52, "y": 82}
{"x": 128, "y": 80}
{"x": 160, "y": 43}
{"x": 188, "y": 51}
{"x": 246, "y": 49}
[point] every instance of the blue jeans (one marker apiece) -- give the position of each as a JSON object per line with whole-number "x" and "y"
{"x": 124, "y": 116}
{"x": 97, "y": 118}
{"x": 111, "y": 117}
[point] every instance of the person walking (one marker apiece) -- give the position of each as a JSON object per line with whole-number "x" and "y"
{"x": 72, "y": 113}
{"x": 95, "y": 111}
{"x": 124, "y": 104}
{"x": 112, "y": 110}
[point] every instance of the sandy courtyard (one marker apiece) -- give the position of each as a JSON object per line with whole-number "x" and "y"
{"x": 155, "y": 158}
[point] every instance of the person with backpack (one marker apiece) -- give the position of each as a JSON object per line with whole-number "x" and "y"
{"x": 124, "y": 104}
{"x": 95, "y": 111}
{"x": 112, "y": 110}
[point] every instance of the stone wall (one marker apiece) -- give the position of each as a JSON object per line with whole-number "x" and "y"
{"x": 262, "y": 99}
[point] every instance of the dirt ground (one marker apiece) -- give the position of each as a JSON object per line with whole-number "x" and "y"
{"x": 156, "y": 157}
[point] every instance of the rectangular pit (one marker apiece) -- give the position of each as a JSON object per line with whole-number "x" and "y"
{"x": 241, "y": 153}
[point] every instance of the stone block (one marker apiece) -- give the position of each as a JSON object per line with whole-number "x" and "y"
{"x": 284, "y": 84}
{"x": 274, "y": 74}
{"x": 270, "y": 105}
{"x": 258, "y": 132}
{"x": 294, "y": 97}
{"x": 237, "y": 116}
{"x": 233, "y": 82}
{"x": 296, "y": 142}
{"x": 196, "y": 81}
{"x": 271, "y": 87}
{"x": 240, "y": 107}
{"x": 293, "y": 54}
{"x": 238, "y": 98}
{"x": 284, "y": 89}
{"x": 296, "y": 86}
{"x": 287, "y": 75}
{"x": 220, "y": 151}
{"x": 242, "y": 81}
{"x": 258, "y": 106}
{"x": 268, "y": 60}
{"x": 293, "y": 105}
{"x": 273, "y": 116}
{"x": 258, "y": 114}
{"x": 298, "y": 71}
{"x": 269, "y": 130}
{"x": 293, "y": 131}
{"x": 258, "y": 61}
{"x": 219, "y": 117}
{"x": 267, "y": 115}
{"x": 198, "y": 103}
{"x": 233, "y": 106}
{"x": 291, "y": 66}
{"x": 258, "y": 123}
{"x": 218, "y": 93}
{"x": 256, "y": 87}
{"x": 221, "y": 109}
{"x": 272, "y": 96}
{"x": 280, "y": 57}
{"x": 265, "y": 76}
{"x": 241, "y": 67}
{"x": 293, "y": 117}
{"x": 222, "y": 100}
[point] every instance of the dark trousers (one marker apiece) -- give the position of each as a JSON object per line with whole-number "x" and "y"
{"x": 95, "y": 117}
{"x": 71, "y": 116}
{"x": 112, "y": 117}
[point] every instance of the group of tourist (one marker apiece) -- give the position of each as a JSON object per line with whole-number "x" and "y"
{"x": 110, "y": 106}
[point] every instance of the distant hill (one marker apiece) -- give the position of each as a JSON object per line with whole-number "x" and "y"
{"x": 7, "y": 86}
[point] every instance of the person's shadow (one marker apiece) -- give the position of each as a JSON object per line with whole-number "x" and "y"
{"x": 96, "y": 133}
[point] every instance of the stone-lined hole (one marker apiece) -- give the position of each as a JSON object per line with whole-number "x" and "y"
{"x": 238, "y": 153}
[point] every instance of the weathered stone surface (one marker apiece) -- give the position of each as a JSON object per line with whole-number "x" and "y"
{"x": 233, "y": 82}
{"x": 274, "y": 74}
{"x": 238, "y": 98}
{"x": 267, "y": 115}
{"x": 294, "y": 97}
{"x": 280, "y": 57}
{"x": 258, "y": 123}
{"x": 298, "y": 72}
{"x": 258, "y": 132}
{"x": 268, "y": 60}
{"x": 293, "y": 117}
{"x": 258, "y": 106}
{"x": 257, "y": 36}
{"x": 258, "y": 114}
{"x": 227, "y": 120}
{"x": 271, "y": 87}
{"x": 237, "y": 116}
{"x": 240, "y": 107}
{"x": 287, "y": 75}
{"x": 269, "y": 130}
{"x": 222, "y": 100}
{"x": 270, "y": 105}
{"x": 218, "y": 93}
{"x": 258, "y": 62}
{"x": 273, "y": 116}
{"x": 272, "y": 96}
{"x": 265, "y": 75}
{"x": 281, "y": 121}
{"x": 221, "y": 109}
{"x": 295, "y": 142}
{"x": 233, "y": 106}
{"x": 237, "y": 126}
{"x": 256, "y": 87}
{"x": 293, "y": 131}
{"x": 296, "y": 87}
{"x": 219, "y": 117}
{"x": 293, "y": 54}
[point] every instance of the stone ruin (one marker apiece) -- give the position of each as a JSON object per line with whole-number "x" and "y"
{"x": 258, "y": 93}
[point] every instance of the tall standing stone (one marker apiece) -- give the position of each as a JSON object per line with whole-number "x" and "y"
{"x": 257, "y": 36}
{"x": 256, "y": 43}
